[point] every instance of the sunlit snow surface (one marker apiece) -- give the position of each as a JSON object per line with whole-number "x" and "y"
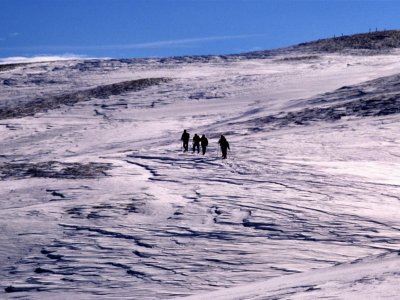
{"x": 98, "y": 201}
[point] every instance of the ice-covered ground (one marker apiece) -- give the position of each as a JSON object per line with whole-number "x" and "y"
{"x": 99, "y": 202}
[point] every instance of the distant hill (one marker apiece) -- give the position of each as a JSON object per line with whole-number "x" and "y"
{"x": 379, "y": 40}
{"x": 371, "y": 43}
{"x": 365, "y": 43}
{"x": 376, "y": 42}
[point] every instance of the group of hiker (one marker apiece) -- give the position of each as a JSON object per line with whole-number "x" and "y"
{"x": 203, "y": 142}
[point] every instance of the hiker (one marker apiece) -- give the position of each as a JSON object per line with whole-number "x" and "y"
{"x": 223, "y": 143}
{"x": 185, "y": 140}
{"x": 203, "y": 143}
{"x": 196, "y": 143}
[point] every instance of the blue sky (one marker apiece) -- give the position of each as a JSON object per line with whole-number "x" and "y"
{"x": 154, "y": 28}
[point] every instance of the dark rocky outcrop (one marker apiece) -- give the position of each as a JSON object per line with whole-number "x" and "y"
{"x": 7, "y": 67}
{"x": 53, "y": 102}
{"x": 379, "y": 97}
{"x": 53, "y": 169}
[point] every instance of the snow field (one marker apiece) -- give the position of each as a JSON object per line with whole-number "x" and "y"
{"x": 161, "y": 223}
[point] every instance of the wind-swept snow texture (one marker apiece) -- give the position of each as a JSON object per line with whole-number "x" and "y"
{"x": 98, "y": 201}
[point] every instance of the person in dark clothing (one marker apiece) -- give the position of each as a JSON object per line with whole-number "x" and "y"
{"x": 203, "y": 143}
{"x": 185, "y": 140}
{"x": 196, "y": 143}
{"x": 223, "y": 143}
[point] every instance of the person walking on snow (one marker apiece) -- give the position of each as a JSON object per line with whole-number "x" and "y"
{"x": 203, "y": 143}
{"x": 185, "y": 140}
{"x": 196, "y": 143}
{"x": 223, "y": 143}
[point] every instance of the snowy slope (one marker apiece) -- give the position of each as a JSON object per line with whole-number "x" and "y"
{"x": 368, "y": 278}
{"x": 98, "y": 201}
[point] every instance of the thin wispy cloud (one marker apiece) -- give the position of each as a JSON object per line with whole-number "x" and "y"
{"x": 167, "y": 43}
{"x": 9, "y": 36}
{"x": 149, "y": 45}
